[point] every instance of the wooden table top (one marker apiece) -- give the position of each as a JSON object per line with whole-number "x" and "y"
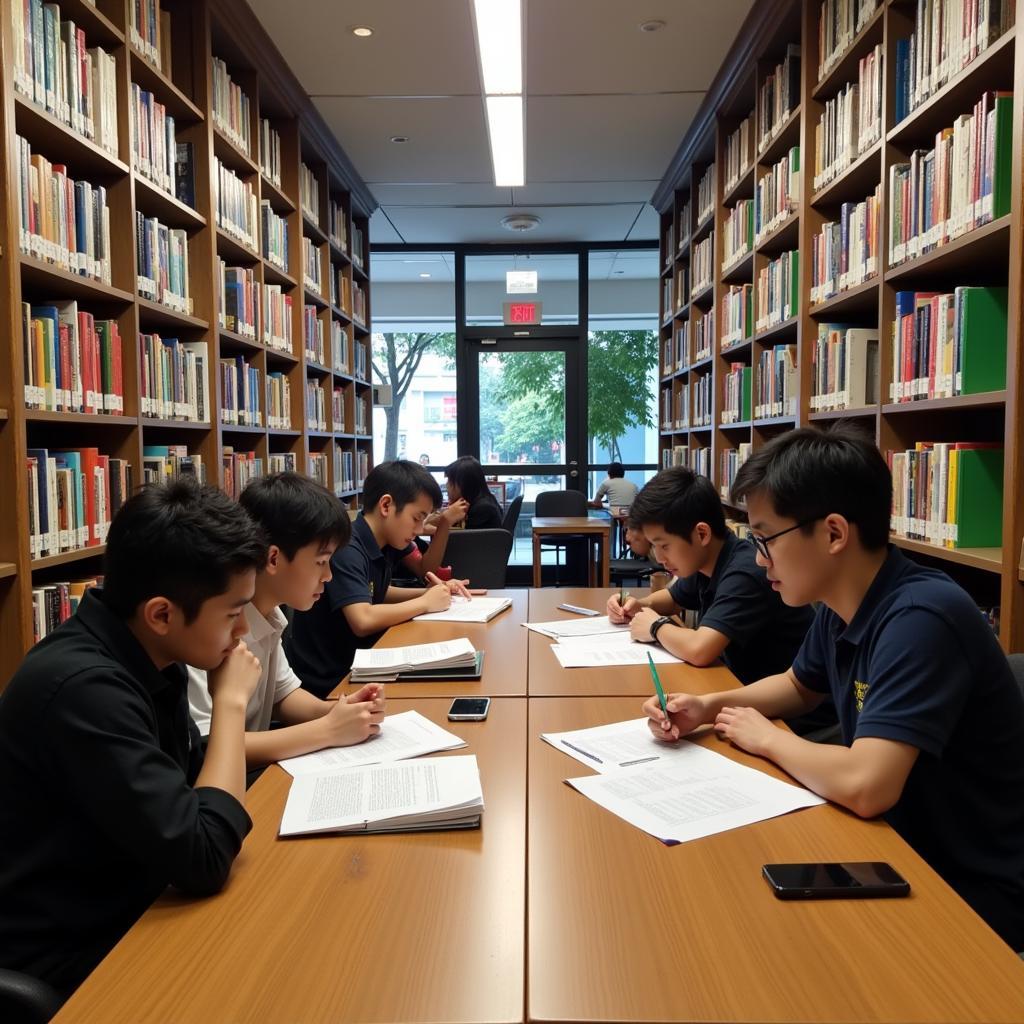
{"x": 623, "y": 928}
{"x": 571, "y": 524}
{"x": 503, "y": 638}
{"x": 415, "y": 927}
{"x": 547, "y": 678}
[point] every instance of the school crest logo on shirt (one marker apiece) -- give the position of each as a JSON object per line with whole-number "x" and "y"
{"x": 371, "y": 590}
{"x": 860, "y": 691}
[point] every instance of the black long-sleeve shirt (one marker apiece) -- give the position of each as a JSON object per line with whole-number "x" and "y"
{"x": 98, "y": 813}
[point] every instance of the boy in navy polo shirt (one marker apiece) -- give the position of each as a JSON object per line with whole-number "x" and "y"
{"x": 359, "y": 603}
{"x": 740, "y": 619}
{"x": 932, "y": 719}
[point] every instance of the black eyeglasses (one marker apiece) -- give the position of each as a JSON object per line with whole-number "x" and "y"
{"x": 761, "y": 543}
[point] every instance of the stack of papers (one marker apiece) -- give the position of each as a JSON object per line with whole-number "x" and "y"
{"x": 577, "y": 627}
{"x": 585, "y": 643}
{"x": 408, "y": 796}
{"x": 379, "y": 664}
{"x": 477, "y": 609}
{"x": 674, "y": 792}
{"x": 401, "y": 736}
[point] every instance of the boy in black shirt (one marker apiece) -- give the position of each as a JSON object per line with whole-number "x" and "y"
{"x": 740, "y": 619}
{"x": 105, "y": 798}
{"x": 359, "y": 603}
{"x": 932, "y": 718}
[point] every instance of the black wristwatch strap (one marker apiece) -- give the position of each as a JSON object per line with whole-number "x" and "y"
{"x": 657, "y": 624}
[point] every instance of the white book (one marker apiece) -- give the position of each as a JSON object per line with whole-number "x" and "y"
{"x": 401, "y": 736}
{"x": 407, "y": 796}
{"x": 477, "y": 609}
{"x": 378, "y": 663}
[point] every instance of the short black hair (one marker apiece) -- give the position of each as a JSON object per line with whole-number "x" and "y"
{"x": 468, "y": 475}
{"x": 405, "y": 481}
{"x": 295, "y": 511}
{"x": 678, "y": 499}
{"x": 616, "y": 469}
{"x": 808, "y": 474}
{"x": 182, "y": 541}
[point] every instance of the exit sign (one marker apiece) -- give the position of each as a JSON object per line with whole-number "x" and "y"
{"x": 522, "y": 313}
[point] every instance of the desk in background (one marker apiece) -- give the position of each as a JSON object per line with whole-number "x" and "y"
{"x": 597, "y": 531}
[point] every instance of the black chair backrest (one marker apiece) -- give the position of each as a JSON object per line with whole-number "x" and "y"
{"x": 1017, "y": 668}
{"x": 26, "y": 1000}
{"x": 561, "y": 503}
{"x": 480, "y": 556}
{"x": 512, "y": 515}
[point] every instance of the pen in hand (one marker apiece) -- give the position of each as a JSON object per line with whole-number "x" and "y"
{"x": 657, "y": 686}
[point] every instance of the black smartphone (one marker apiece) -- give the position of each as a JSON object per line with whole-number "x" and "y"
{"x": 864, "y": 880}
{"x": 469, "y": 709}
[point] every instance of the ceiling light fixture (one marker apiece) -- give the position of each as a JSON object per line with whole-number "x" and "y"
{"x": 520, "y": 222}
{"x": 505, "y": 128}
{"x": 499, "y": 42}
{"x": 424, "y": 275}
{"x": 399, "y": 140}
{"x": 362, "y": 31}
{"x": 652, "y": 26}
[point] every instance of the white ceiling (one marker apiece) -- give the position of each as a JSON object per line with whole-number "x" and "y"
{"x": 606, "y": 107}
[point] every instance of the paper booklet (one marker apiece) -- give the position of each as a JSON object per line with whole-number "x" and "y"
{"x": 479, "y": 609}
{"x": 379, "y": 664}
{"x": 401, "y": 736}
{"x": 608, "y": 649}
{"x": 676, "y": 793}
{"x": 408, "y": 796}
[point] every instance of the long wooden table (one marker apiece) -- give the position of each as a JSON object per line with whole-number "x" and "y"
{"x": 623, "y": 928}
{"x": 616, "y": 926}
{"x": 547, "y": 678}
{"x": 594, "y": 529}
{"x": 503, "y": 640}
{"x": 417, "y": 927}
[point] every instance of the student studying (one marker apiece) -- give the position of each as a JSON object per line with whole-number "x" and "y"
{"x": 105, "y": 795}
{"x": 359, "y": 602}
{"x": 304, "y": 524}
{"x": 932, "y": 719}
{"x": 619, "y": 491}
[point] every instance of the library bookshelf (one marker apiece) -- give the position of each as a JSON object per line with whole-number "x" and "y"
{"x": 719, "y": 164}
{"x": 213, "y": 69}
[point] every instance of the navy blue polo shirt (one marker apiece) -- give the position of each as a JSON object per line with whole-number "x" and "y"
{"x": 919, "y": 664}
{"x": 320, "y": 644}
{"x": 737, "y": 600}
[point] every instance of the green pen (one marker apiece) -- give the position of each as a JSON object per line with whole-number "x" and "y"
{"x": 622, "y": 597}
{"x": 657, "y": 686}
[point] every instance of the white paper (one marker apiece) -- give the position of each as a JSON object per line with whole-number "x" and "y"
{"x": 699, "y": 794}
{"x": 401, "y": 736}
{"x": 444, "y": 652}
{"x": 577, "y": 627}
{"x": 606, "y": 748}
{"x": 431, "y": 790}
{"x": 618, "y": 652}
{"x": 479, "y": 609}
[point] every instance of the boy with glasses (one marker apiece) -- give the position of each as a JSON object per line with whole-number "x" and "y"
{"x": 932, "y": 719}
{"x": 740, "y": 619}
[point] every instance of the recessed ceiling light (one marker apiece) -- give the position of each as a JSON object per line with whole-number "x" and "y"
{"x": 399, "y": 140}
{"x": 363, "y": 31}
{"x": 424, "y": 275}
{"x": 520, "y": 222}
{"x": 652, "y": 26}
{"x": 618, "y": 271}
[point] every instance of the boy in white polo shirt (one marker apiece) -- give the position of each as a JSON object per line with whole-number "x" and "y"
{"x": 304, "y": 525}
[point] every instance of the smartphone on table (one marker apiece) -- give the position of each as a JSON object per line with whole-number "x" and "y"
{"x": 469, "y": 709}
{"x": 852, "y": 880}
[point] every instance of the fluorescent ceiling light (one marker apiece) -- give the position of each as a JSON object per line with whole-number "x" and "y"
{"x": 505, "y": 127}
{"x": 499, "y": 37}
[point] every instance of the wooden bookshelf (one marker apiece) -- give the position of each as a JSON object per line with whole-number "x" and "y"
{"x": 991, "y": 254}
{"x": 200, "y": 31}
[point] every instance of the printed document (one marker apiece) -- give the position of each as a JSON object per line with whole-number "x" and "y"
{"x": 408, "y": 734}
{"x": 479, "y": 609}
{"x": 372, "y": 664}
{"x": 577, "y": 627}
{"x": 431, "y": 793}
{"x": 606, "y": 748}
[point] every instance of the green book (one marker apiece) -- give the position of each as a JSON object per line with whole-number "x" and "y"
{"x": 979, "y": 497}
{"x": 1002, "y": 168}
{"x": 794, "y": 283}
{"x": 745, "y": 393}
{"x": 981, "y": 331}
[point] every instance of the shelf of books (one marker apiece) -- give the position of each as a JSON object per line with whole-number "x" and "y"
{"x": 845, "y": 218}
{"x": 186, "y": 253}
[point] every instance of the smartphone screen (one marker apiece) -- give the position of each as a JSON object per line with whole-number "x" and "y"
{"x": 851, "y": 880}
{"x": 472, "y": 708}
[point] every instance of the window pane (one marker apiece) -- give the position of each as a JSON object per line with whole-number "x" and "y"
{"x": 487, "y": 287}
{"x": 522, "y": 407}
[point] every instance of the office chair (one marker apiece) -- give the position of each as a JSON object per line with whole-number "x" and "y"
{"x": 561, "y": 503}
{"x": 481, "y": 556}
{"x": 26, "y": 1000}
{"x": 512, "y": 515}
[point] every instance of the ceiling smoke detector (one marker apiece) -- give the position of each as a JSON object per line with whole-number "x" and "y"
{"x": 520, "y": 222}
{"x": 652, "y": 26}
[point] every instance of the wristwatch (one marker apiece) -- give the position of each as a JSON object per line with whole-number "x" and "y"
{"x": 657, "y": 624}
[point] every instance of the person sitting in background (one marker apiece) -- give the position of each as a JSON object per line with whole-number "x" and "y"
{"x": 466, "y": 482}
{"x": 619, "y": 490}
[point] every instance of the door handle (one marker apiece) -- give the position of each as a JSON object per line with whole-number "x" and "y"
{"x": 574, "y": 473}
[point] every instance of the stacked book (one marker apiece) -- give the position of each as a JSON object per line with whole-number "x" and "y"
{"x": 279, "y": 401}
{"x": 173, "y": 379}
{"x": 313, "y": 335}
{"x": 778, "y": 96}
{"x": 270, "y": 153}
{"x": 237, "y": 470}
{"x": 149, "y": 30}
{"x": 737, "y": 315}
{"x": 845, "y": 253}
{"x": 778, "y": 291}
{"x": 309, "y": 194}
{"x": 701, "y": 400}
{"x": 838, "y": 24}
{"x": 277, "y": 318}
{"x": 282, "y": 462}
{"x": 154, "y": 146}
{"x": 311, "y": 266}
{"x": 163, "y": 463}
{"x": 337, "y": 224}
{"x": 736, "y": 393}
{"x": 706, "y": 194}
{"x": 55, "y": 603}
{"x": 316, "y": 467}
{"x": 703, "y": 261}
{"x": 316, "y": 406}
{"x": 238, "y": 300}
{"x": 739, "y": 152}
{"x": 844, "y": 367}
{"x": 775, "y": 392}
{"x": 777, "y": 195}
{"x": 737, "y": 233}
{"x": 274, "y": 232}
{"x": 162, "y": 265}
{"x": 231, "y": 108}
{"x": 235, "y": 203}
{"x": 383, "y": 664}
{"x": 240, "y": 393}
{"x": 704, "y": 335}
{"x": 729, "y": 463}
{"x": 344, "y": 472}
